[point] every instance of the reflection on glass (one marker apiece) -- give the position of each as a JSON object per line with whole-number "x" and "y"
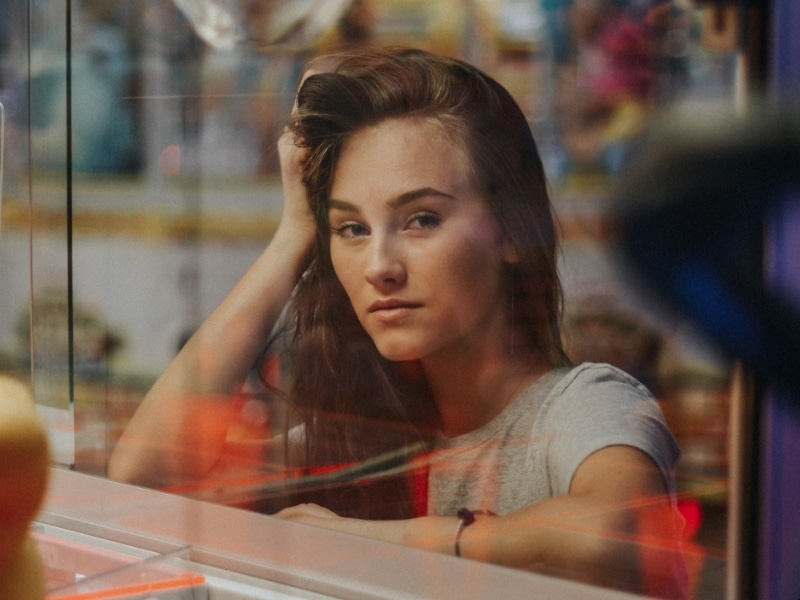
{"x": 177, "y": 109}
{"x": 294, "y": 24}
{"x": 212, "y": 22}
{"x": 33, "y": 57}
{"x": 2, "y": 150}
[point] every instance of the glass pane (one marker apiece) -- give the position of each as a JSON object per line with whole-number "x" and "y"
{"x": 174, "y": 185}
{"x": 35, "y": 315}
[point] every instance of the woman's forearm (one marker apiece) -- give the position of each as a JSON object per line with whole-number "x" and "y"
{"x": 565, "y": 537}
{"x": 179, "y": 430}
{"x": 178, "y": 433}
{"x": 591, "y": 549}
{"x": 616, "y": 528}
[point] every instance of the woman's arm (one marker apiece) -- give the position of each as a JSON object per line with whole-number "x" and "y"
{"x": 614, "y": 528}
{"x": 178, "y": 432}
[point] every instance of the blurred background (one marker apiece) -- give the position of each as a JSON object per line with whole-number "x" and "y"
{"x": 141, "y": 180}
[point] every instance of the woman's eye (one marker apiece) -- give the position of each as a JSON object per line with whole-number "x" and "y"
{"x": 423, "y": 221}
{"x": 349, "y": 230}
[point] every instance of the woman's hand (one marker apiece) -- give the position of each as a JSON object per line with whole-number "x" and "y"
{"x": 313, "y": 514}
{"x": 297, "y": 217}
{"x": 306, "y": 513}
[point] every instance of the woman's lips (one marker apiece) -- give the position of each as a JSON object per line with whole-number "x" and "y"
{"x": 392, "y": 310}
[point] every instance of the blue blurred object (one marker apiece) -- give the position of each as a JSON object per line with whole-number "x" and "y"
{"x": 709, "y": 219}
{"x": 693, "y": 216}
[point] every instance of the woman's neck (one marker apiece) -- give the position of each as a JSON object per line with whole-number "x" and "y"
{"x": 470, "y": 391}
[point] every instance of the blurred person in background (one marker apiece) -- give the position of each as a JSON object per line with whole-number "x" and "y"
{"x": 614, "y": 80}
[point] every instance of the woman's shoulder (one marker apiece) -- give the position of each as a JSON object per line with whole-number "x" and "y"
{"x": 561, "y": 384}
{"x": 598, "y": 375}
{"x": 597, "y": 405}
{"x": 594, "y": 389}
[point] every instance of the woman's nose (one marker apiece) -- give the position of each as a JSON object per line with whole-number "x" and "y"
{"x": 386, "y": 266}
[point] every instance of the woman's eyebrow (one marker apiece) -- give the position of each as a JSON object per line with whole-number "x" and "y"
{"x": 412, "y": 195}
{"x": 393, "y": 203}
{"x": 342, "y": 205}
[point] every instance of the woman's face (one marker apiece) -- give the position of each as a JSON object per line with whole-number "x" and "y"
{"x": 414, "y": 245}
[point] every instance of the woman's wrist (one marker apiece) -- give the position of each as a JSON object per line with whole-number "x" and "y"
{"x": 296, "y": 230}
{"x": 466, "y": 517}
{"x": 293, "y": 242}
{"x": 430, "y": 533}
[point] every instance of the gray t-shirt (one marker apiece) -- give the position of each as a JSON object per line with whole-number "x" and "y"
{"x": 532, "y": 449}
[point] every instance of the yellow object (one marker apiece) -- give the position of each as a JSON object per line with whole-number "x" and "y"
{"x": 24, "y": 463}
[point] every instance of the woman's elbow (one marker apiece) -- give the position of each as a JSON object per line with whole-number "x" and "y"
{"x": 125, "y": 468}
{"x": 640, "y": 552}
{"x": 611, "y": 551}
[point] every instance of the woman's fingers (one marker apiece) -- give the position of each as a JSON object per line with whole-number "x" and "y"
{"x": 304, "y": 511}
{"x": 296, "y": 210}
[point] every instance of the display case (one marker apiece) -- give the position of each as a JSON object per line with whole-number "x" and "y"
{"x": 79, "y": 570}
{"x": 140, "y": 179}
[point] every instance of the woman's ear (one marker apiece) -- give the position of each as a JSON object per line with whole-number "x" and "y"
{"x": 510, "y": 254}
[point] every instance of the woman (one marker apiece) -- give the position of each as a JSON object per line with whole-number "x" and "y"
{"x": 418, "y": 233}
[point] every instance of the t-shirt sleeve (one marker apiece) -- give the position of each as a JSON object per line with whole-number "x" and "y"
{"x": 598, "y": 406}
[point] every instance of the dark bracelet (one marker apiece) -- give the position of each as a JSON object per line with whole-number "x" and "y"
{"x": 466, "y": 517}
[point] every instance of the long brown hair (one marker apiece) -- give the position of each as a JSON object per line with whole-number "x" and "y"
{"x": 356, "y": 403}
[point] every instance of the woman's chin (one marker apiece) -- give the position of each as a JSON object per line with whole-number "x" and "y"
{"x": 399, "y": 352}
